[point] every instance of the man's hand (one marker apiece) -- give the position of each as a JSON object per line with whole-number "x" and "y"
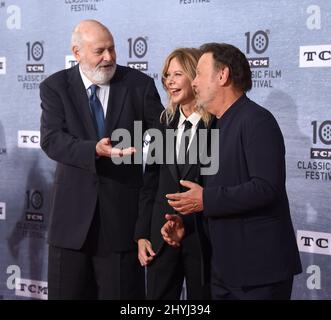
{"x": 105, "y": 149}
{"x": 187, "y": 202}
{"x": 173, "y": 230}
{"x": 145, "y": 252}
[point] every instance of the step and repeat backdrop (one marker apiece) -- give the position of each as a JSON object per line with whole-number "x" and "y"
{"x": 288, "y": 45}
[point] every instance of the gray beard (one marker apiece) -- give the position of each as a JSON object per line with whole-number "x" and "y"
{"x": 97, "y": 76}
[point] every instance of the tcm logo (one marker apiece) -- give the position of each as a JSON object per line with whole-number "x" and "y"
{"x": 315, "y": 56}
{"x": 318, "y": 153}
{"x": 35, "y": 68}
{"x": 2, "y": 65}
{"x": 321, "y": 135}
{"x": 258, "y": 62}
{"x": 142, "y": 66}
{"x": 258, "y": 43}
{"x": 31, "y": 288}
{"x": 137, "y": 50}
{"x": 70, "y": 61}
{"x": 34, "y": 200}
{"x": 34, "y": 217}
{"x": 2, "y": 210}
{"x": 35, "y": 52}
{"x": 314, "y": 242}
{"x": 28, "y": 139}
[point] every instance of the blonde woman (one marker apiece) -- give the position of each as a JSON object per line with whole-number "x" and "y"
{"x": 167, "y": 267}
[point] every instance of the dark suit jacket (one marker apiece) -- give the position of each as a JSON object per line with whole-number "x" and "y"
{"x": 251, "y": 232}
{"x": 159, "y": 180}
{"x": 69, "y": 137}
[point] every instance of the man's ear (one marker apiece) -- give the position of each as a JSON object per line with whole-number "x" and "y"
{"x": 76, "y": 53}
{"x": 224, "y": 75}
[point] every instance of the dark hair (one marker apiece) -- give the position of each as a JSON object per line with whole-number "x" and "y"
{"x": 228, "y": 55}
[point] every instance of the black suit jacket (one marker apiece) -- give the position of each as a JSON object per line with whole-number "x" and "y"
{"x": 251, "y": 232}
{"x": 161, "y": 179}
{"x": 69, "y": 137}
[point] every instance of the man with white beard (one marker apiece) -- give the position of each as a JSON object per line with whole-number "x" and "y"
{"x": 92, "y": 254}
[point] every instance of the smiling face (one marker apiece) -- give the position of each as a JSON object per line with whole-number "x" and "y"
{"x": 178, "y": 84}
{"x": 96, "y": 53}
{"x": 206, "y": 83}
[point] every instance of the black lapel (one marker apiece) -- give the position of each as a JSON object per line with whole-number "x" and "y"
{"x": 79, "y": 96}
{"x": 170, "y": 154}
{"x": 117, "y": 94}
{"x": 194, "y": 148}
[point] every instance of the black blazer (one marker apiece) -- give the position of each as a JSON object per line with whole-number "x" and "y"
{"x": 252, "y": 236}
{"x": 68, "y": 137}
{"x": 159, "y": 180}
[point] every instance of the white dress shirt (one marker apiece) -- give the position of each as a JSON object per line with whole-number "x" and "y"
{"x": 194, "y": 118}
{"x": 102, "y": 93}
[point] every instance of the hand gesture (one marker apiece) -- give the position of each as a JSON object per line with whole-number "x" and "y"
{"x": 105, "y": 149}
{"x": 173, "y": 230}
{"x": 187, "y": 202}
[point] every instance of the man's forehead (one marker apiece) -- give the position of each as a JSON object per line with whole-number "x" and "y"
{"x": 101, "y": 42}
{"x": 205, "y": 59}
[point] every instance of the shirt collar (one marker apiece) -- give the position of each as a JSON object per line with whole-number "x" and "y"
{"x": 86, "y": 81}
{"x": 194, "y": 118}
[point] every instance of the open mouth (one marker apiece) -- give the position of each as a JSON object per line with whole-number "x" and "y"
{"x": 175, "y": 92}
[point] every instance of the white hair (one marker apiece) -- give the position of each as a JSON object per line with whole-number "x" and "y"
{"x": 76, "y": 38}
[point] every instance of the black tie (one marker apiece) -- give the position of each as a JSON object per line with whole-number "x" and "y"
{"x": 182, "y": 157}
{"x": 97, "y": 111}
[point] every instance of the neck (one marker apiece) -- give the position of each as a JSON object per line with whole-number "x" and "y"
{"x": 188, "y": 108}
{"x": 227, "y": 100}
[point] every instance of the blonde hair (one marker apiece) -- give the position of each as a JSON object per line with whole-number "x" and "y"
{"x": 188, "y": 59}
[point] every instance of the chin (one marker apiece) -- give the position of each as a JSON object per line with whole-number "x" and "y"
{"x": 204, "y": 107}
{"x": 102, "y": 78}
{"x": 177, "y": 101}
{"x": 98, "y": 76}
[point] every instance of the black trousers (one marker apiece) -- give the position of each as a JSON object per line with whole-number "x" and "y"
{"x": 93, "y": 272}
{"x": 165, "y": 275}
{"x": 273, "y": 291}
